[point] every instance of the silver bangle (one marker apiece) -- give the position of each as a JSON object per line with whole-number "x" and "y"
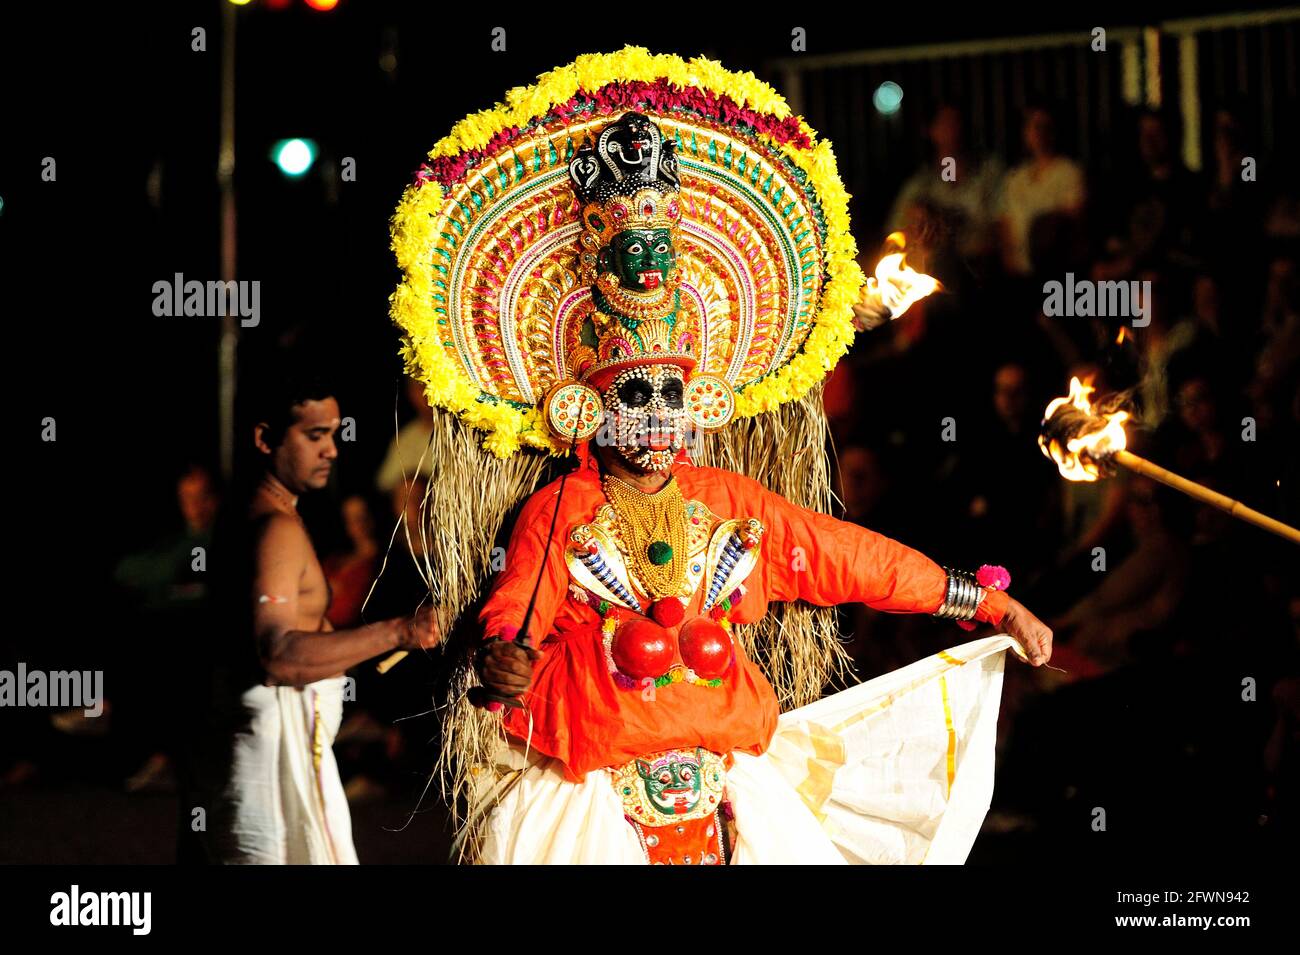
{"x": 962, "y": 596}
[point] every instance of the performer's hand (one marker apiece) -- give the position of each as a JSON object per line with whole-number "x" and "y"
{"x": 506, "y": 668}
{"x": 869, "y": 312}
{"x": 419, "y": 632}
{"x": 1032, "y": 634}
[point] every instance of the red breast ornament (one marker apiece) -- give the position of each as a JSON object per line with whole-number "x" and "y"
{"x": 706, "y": 648}
{"x": 642, "y": 648}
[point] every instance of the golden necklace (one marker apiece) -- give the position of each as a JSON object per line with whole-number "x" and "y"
{"x": 655, "y": 303}
{"x": 654, "y": 531}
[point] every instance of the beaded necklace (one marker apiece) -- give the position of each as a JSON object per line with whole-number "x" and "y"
{"x": 661, "y": 302}
{"x": 280, "y": 494}
{"x": 654, "y": 529}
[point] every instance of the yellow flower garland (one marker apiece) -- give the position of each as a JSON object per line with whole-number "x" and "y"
{"x": 413, "y": 237}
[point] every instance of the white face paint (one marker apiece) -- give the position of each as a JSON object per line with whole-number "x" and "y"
{"x": 648, "y": 408}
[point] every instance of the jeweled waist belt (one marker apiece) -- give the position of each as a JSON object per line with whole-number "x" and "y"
{"x": 674, "y": 800}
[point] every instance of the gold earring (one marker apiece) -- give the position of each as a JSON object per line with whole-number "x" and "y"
{"x": 572, "y": 410}
{"x": 710, "y": 402}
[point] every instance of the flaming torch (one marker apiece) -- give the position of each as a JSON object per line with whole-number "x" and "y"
{"x": 894, "y": 288}
{"x": 1087, "y": 442}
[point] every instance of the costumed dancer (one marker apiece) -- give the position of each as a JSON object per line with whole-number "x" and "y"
{"x": 634, "y": 253}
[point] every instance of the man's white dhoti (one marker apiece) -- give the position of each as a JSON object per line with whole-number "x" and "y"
{"x": 898, "y": 770}
{"x": 283, "y": 802}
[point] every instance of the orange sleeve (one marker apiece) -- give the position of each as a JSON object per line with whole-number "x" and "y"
{"x": 814, "y": 557}
{"x": 526, "y": 556}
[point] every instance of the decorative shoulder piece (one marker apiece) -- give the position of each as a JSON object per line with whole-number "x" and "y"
{"x": 596, "y": 564}
{"x": 733, "y": 552}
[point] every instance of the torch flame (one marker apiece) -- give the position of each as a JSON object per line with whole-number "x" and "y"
{"x": 896, "y": 285}
{"x": 1077, "y": 455}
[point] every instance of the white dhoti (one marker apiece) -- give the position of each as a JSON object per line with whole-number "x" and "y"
{"x": 898, "y": 770}
{"x": 282, "y": 802}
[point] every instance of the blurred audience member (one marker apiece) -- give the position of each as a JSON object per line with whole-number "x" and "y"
{"x": 351, "y": 572}
{"x": 1155, "y": 207}
{"x": 1006, "y": 482}
{"x": 1137, "y": 596}
{"x": 1157, "y": 342}
{"x": 408, "y": 453}
{"x": 1045, "y": 183}
{"x": 165, "y": 587}
{"x": 1279, "y": 343}
{"x": 950, "y": 203}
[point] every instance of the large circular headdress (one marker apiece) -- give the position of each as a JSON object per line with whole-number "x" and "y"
{"x": 496, "y": 305}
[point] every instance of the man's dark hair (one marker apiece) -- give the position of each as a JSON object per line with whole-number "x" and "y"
{"x": 276, "y": 394}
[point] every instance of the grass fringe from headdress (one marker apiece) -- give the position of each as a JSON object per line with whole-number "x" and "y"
{"x": 469, "y": 496}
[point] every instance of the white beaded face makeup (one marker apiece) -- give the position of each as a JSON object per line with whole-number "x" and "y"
{"x": 648, "y": 410}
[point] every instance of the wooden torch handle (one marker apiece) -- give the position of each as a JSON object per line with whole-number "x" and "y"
{"x": 390, "y": 661}
{"x": 1203, "y": 493}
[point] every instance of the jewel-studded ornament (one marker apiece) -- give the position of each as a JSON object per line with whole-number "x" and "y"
{"x": 573, "y": 411}
{"x": 710, "y": 402}
{"x": 673, "y": 800}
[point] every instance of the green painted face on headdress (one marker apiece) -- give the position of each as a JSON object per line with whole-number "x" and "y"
{"x": 673, "y": 782}
{"x": 641, "y": 258}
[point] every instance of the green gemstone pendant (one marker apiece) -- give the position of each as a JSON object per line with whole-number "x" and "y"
{"x": 660, "y": 552}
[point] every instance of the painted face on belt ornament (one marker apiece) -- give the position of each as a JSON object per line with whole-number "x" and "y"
{"x": 648, "y": 415}
{"x": 673, "y": 782}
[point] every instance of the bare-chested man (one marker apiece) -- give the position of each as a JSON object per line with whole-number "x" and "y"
{"x": 266, "y": 778}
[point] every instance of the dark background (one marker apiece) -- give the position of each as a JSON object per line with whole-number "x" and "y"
{"x": 120, "y": 99}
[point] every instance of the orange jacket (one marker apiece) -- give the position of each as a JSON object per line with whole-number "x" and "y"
{"x": 582, "y": 718}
